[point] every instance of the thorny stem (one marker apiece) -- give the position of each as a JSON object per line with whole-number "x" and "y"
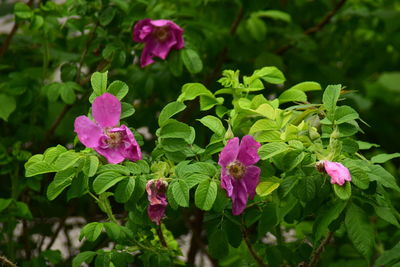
{"x": 7, "y": 262}
{"x": 310, "y": 31}
{"x": 257, "y": 258}
{"x": 161, "y": 236}
{"x": 317, "y": 253}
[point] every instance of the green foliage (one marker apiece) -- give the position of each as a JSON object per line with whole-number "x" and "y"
{"x": 60, "y": 56}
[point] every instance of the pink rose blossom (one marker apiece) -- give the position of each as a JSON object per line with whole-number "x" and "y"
{"x": 114, "y": 142}
{"x": 339, "y": 174}
{"x": 159, "y": 38}
{"x": 156, "y": 190}
{"x": 239, "y": 177}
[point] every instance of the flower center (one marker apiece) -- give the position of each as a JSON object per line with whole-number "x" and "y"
{"x": 114, "y": 139}
{"x": 161, "y": 33}
{"x": 236, "y": 169}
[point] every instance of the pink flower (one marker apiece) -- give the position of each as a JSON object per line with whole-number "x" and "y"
{"x": 159, "y": 37}
{"x": 156, "y": 190}
{"x": 103, "y": 135}
{"x": 339, "y": 174}
{"x": 239, "y": 177}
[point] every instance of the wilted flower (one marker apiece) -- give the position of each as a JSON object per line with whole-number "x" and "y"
{"x": 339, "y": 174}
{"x": 239, "y": 177}
{"x": 159, "y": 37}
{"x": 114, "y": 142}
{"x": 156, "y": 190}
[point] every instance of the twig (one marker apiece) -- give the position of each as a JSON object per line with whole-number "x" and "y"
{"x": 310, "y": 31}
{"x": 7, "y": 262}
{"x": 161, "y": 236}
{"x": 253, "y": 253}
{"x": 13, "y": 31}
{"x": 317, "y": 253}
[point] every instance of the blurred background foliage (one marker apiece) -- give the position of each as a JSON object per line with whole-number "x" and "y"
{"x": 50, "y": 48}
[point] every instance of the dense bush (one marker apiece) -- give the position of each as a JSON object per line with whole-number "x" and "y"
{"x": 300, "y": 190}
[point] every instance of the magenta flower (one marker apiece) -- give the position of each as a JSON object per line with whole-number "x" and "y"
{"x": 156, "y": 190}
{"x": 114, "y": 142}
{"x": 339, "y": 174}
{"x": 159, "y": 37}
{"x": 239, "y": 177}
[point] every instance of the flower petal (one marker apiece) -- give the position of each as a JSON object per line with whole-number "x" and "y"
{"x": 106, "y": 110}
{"x": 156, "y": 212}
{"x": 113, "y": 155}
{"x": 142, "y": 30}
{"x": 339, "y": 174}
{"x": 131, "y": 149}
{"x": 226, "y": 182}
{"x": 239, "y": 196}
{"x": 89, "y": 133}
{"x": 229, "y": 153}
{"x": 248, "y": 150}
{"x": 146, "y": 57}
{"x": 252, "y": 178}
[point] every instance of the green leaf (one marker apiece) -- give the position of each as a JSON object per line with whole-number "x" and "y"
{"x": 4, "y": 203}
{"x": 170, "y": 110}
{"x": 274, "y": 14}
{"x": 107, "y": 15}
{"x": 39, "y": 168}
{"x": 191, "y": 60}
{"x": 55, "y": 189}
{"x": 123, "y": 170}
{"x": 99, "y": 82}
{"x": 175, "y": 63}
{"x": 257, "y": 28}
{"x": 268, "y": 219}
{"x": 205, "y": 195}
{"x": 292, "y": 95}
{"x": 22, "y": 11}
{"x": 124, "y": 190}
{"x": 127, "y": 110}
{"x": 214, "y": 124}
{"x": 119, "y": 89}
{"x": 389, "y": 257}
{"x": 52, "y": 153}
{"x": 345, "y": 114}
{"x": 365, "y": 145}
{"x": 67, "y": 94}
{"x": 86, "y": 256}
{"x": 66, "y": 160}
{"x": 176, "y": 129}
{"x": 325, "y": 217}
{"x": 7, "y": 106}
{"x": 382, "y": 158}
{"x": 307, "y": 86}
{"x": 343, "y": 192}
{"x": 218, "y": 246}
{"x": 91, "y": 231}
{"x": 106, "y": 180}
{"x": 360, "y": 230}
{"x": 330, "y": 97}
{"x": 263, "y": 125}
{"x": 180, "y": 190}
{"x": 271, "y": 149}
{"x": 305, "y": 189}
{"x": 207, "y": 102}
{"x": 271, "y": 74}
{"x": 192, "y": 90}
{"x": 90, "y": 166}
{"x": 382, "y": 176}
{"x": 265, "y": 188}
